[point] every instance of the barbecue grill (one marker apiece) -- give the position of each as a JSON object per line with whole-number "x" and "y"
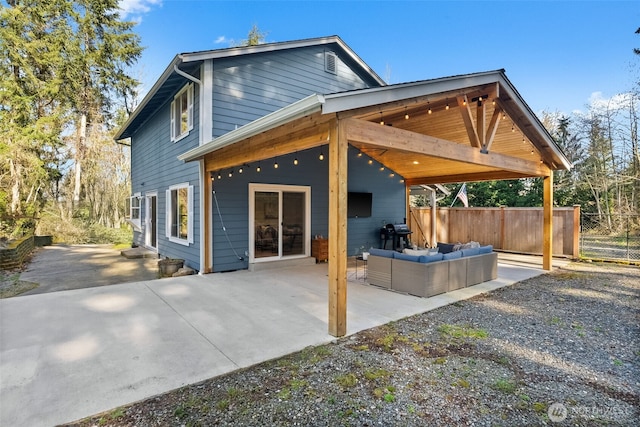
{"x": 398, "y": 234}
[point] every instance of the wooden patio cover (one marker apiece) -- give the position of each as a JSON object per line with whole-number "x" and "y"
{"x": 457, "y": 129}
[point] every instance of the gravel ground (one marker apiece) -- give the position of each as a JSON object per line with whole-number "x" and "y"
{"x": 558, "y": 349}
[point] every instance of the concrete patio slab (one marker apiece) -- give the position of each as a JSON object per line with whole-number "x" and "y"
{"x": 70, "y": 354}
{"x": 65, "y": 267}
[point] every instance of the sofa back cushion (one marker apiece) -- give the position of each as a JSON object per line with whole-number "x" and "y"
{"x": 430, "y": 258}
{"x": 416, "y": 251}
{"x": 470, "y": 252}
{"x": 445, "y": 248}
{"x": 486, "y": 249}
{"x": 405, "y": 257}
{"x": 452, "y": 255}
{"x": 386, "y": 253}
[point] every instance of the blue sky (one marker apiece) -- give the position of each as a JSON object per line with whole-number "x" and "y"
{"x": 558, "y": 54}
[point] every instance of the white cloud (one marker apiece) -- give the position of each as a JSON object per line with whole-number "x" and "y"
{"x": 136, "y": 7}
{"x": 220, "y": 40}
{"x": 598, "y": 102}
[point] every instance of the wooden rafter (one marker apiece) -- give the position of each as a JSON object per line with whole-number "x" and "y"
{"x": 467, "y": 117}
{"x": 493, "y": 128}
{"x": 301, "y": 134}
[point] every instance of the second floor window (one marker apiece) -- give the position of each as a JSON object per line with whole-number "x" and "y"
{"x": 182, "y": 113}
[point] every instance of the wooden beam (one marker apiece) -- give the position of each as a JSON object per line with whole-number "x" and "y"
{"x": 467, "y": 118}
{"x": 364, "y": 132}
{"x": 493, "y": 128}
{"x": 338, "y": 160}
{"x": 465, "y": 177}
{"x": 547, "y": 228}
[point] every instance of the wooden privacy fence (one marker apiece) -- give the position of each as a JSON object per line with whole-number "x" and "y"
{"x": 507, "y": 229}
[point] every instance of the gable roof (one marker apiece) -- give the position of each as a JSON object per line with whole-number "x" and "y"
{"x": 417, "y": 99}
{"x": 170, "y": 81}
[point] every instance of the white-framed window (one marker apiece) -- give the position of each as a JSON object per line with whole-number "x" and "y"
{"x": 182, "y": 113}
{"x": 134, "y": 210}
{"x": 179, "y": 215}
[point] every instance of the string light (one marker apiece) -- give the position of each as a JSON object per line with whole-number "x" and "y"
{"x": 230, "y": 173}
{"x": 381, "y": 120}
{"x": 321, "y": 156}
{"x": 240, "y": 170}
{"x": 258, "y": 169}
{"x": 219, "y": 175}
{"x": 295, "y": 160}
{"x": 370, "y": 162}
{"x": 406, "y": 115}
{"x": 275, "y": 163}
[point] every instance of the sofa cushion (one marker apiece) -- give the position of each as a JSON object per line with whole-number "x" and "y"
{"x": 445, "y": 248}
{"x": 387, "y": 253}
{"x": 486, "y": 249}
{"x": 405, "y": 257}
{"x": 470, "y": 252}
{"x": 452, "y": 255}
{"x": 417, "y": 252}
{"x": 430, "y": 258}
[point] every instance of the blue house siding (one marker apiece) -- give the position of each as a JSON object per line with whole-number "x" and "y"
{"x": 156, "y": 168}
{"x": 232, "y": 195}
{"x": 249, "y": 87}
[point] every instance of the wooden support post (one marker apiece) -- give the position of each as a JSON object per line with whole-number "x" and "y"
{"x": 547, "y": 232}
{"x": 207, "y": 238}
{"x": 434, "y": 219}
{"x": 338, "y": 231}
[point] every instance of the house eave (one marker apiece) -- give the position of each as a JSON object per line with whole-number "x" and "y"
{"x": 304, "y": 107}
{"x": 123, "y": 131}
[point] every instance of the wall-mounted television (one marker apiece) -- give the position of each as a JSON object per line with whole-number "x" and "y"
{"x": 359, "y": 205}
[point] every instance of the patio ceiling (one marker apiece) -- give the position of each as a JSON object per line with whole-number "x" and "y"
{"x": 437, "y": 131}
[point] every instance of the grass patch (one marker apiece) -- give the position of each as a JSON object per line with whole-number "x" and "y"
{"x": 459, "y": 332}
{"x": 505, "y": 386}
{"x": 347, "y": 380}
{"x": 373, "y": 375}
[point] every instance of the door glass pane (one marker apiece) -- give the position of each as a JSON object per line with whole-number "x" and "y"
{"x": 293, "y": 226}
{"x": 266, "y": 224}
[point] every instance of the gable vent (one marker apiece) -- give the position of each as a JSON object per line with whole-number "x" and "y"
{"x": 330, "y": 63}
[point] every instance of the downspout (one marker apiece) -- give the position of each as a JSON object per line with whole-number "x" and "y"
{"x": 201, "y": 170}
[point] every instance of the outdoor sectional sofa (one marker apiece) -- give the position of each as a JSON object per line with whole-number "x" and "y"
{"x": 428, "y": 275}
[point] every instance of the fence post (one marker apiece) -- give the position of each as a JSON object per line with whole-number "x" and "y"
{"x": 502, "y": 225}
{"x": 628, "y": 255}
{"x": 576, "y": 232}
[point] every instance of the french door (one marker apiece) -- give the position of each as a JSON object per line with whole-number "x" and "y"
{"x": 279, "y": 221}
{"x": 150, "y": 220}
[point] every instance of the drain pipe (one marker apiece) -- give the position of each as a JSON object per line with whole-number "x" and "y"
{"x": 201, "y": 170}
{"x": 185, "y": 75}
